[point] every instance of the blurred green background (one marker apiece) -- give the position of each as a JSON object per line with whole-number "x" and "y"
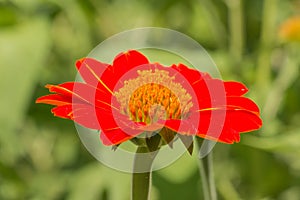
{"x": 41, "y": 157}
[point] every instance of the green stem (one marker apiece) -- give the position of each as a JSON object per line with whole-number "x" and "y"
{"x": 207, "y": 175}
{"x": 236, "y": 25}
{"x": 141, "y": 177}
{"x": 268, "y": 27}
{"x": 286, "y": 77}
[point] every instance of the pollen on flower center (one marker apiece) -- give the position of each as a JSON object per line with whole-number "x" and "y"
{"x": 153, "y": 95}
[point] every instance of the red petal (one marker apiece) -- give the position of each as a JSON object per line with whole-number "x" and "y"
{"x": 93, "y": 118}
{"x": 86, "y": 115}
{"x": 242, "y": 120}
{"x": 128, "y": 60}
{"x": 210, "y": 93}
{"x": 82, "y": 114}
{"x": 66, "y": 89}
{"x": 114, "y": 137}
{"x": 108, "y": 121}
{"x": 231, "y": 102}
{"x": 122, "y": 63}
{"x": 64, "y": 111}
{"x": 90, "y": 70}
{"x": 183, "y": 127}
{"x": 228, "y": 136}
{"x": 223, "y": 125}
{"x": 54, "y": 99}
{"x": 81, "y": 92}
{"x": 114, "y": 133}
{"x": 241, "y": 103}
{"x": 192, "y": 75}
{"x": 233, "y": 88}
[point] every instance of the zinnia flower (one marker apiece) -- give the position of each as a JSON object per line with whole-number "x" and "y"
{"x": 132, "y": 97}
{"x": 290, "y": 29}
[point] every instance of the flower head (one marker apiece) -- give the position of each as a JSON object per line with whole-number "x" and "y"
{"x": 157, "y": 97}
{"x": 132, "y": 97}
{"x": 290, "y": 29}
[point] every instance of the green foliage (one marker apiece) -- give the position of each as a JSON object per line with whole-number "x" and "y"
{"x": 41, "y": 157}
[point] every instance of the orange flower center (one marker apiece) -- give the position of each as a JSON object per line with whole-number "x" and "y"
{"x": 153, "y": 95}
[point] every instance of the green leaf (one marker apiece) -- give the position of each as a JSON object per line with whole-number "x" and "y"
{"x": 23, "y": 52}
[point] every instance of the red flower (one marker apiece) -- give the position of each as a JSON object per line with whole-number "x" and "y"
{"x": 133, "y": 96}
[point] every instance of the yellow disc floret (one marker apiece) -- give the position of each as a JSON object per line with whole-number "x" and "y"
{"x": 153, "y": 95}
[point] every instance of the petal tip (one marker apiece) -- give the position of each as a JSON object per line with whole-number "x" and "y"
{"x": 49, "y": 86}
{"x": 79, "y": 62}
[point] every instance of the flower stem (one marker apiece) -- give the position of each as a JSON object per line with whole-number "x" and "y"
{"x": 141, "y": 177}
{"x": 207, "y": 176}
